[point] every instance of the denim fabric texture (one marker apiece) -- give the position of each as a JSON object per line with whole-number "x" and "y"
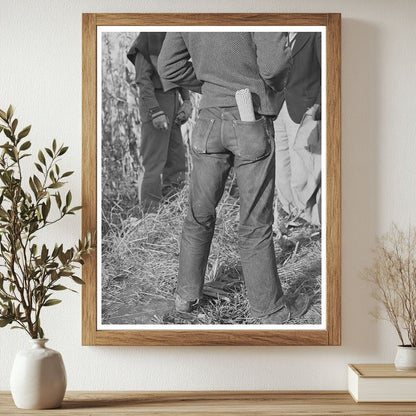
{"x": 220, "y": 140}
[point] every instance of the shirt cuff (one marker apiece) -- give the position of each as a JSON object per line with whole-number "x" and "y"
{"x": 155, "y": 112}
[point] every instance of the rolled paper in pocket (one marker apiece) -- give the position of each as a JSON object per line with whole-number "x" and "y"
{"x": 245, "y": 105}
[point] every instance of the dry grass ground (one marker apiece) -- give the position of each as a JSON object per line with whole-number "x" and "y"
{"x": 140, "y": 263}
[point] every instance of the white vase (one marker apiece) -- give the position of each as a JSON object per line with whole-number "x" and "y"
{"x": 405, "y": 358}
{"x": 38, "y": 378}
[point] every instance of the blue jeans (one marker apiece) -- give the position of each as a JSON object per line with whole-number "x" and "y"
{"x": 219, "y": 141}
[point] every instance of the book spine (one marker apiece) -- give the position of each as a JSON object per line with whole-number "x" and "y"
{"x": 353, "y": 381}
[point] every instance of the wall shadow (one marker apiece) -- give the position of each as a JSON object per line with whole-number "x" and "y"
{"x": 360, "y": 183}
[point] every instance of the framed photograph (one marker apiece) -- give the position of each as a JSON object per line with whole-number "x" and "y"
{"x": 211, "y": 172}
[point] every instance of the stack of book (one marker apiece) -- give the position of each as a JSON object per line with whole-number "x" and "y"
{"x": 381, "y": 383}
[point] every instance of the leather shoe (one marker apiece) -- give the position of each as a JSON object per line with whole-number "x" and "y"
{"x": 293, "y": 306}
{"x": 182, "y": 305}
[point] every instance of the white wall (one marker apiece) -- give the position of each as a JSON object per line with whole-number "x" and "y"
{"x": 40, "y": 73}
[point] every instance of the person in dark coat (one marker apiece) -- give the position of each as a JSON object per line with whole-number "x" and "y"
{"x": 217, "y": 65}
{"x": 297, "y": 131}
{"x": 162, "y": 152}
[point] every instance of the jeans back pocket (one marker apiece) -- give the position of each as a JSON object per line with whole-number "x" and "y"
{"x": 200, "y": 134}
{"x": 253, "y": 138}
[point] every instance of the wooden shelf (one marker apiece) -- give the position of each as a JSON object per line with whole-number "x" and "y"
{"x": 178, "y": 403}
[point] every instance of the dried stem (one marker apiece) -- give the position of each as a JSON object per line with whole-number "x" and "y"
{"x": 393, "y": 276}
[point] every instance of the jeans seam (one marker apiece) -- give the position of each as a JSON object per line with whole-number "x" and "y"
{"x": 211, "y": 124}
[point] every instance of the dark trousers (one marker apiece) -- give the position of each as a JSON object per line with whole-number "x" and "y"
{"x": 219, "y": 141}
{"x": 162, "y": 154}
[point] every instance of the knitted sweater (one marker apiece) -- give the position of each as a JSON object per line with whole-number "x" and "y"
{"x": 220, "y": 63}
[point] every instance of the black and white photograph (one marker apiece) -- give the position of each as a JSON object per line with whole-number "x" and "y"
{"x": 211, "y": 178}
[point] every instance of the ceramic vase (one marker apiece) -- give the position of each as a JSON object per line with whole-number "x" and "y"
{"x": 405, "y": 358}
{"x": 38, "y": 377}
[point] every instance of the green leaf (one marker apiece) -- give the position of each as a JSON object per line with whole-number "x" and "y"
{"x": 4, "y": 298}
{"x": 34, "y": 249}
{"x": 10, "y": 112}
{"x": 5, "y": 321}
{"x": 59, "y": 287}
{"x": 39, "y": 167}
{"x": 5, "y": 179}
{"x": 14, "y": 125}
{"x": 54, "y": 145}
{"x": 24, "y": 132}
{"x": 25, "y": 145}
{"x": 56, "y": 185}
{"x": 45, "y": 211}
{"x": 41, "y": 157}
{"x": 33, "y": 187}
{"x": 55, "y": 251}
{"x": 40, "y": 332}
{"x": 49, "y": 152}
{"x": 15, "y": 153}
{"x": 51, "y": 302}
{"x": 44, "y": 253}
{"x": 8, "y": 133}
{"x": 58, "y": 199}
{"x": 37, "y": 182}
{"x": 34, "y": 226}
{"x": 63, "y": 150}
{"x": 68, "y": 199}
{"x": 76, "y": 279}
{"x": 3, "y": 115}
{"x": 62, "y": 257}
{"x": 67, "y": 174}
{"x": 72, "y": 210}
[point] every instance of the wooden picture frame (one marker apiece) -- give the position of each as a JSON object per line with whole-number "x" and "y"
{"x": 331, "y": 333}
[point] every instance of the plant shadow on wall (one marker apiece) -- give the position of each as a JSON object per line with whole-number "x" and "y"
{"x": 31, "y": 274}
{"x": 140, "y": 251}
